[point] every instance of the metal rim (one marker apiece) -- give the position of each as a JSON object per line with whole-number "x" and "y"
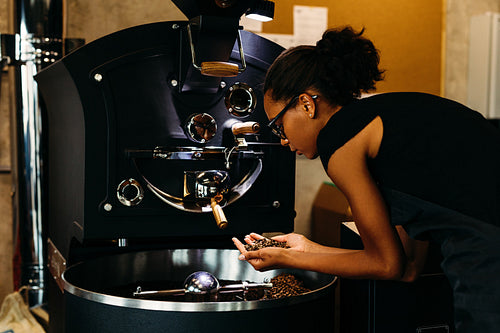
{"x": 121, "y": 192}
{"x": 201, "y": 123}
{"x": 240, "y": 99}
{"x": 193, "y": 306}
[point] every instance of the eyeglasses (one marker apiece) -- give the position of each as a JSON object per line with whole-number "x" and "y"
{"x": 278, "y": 129}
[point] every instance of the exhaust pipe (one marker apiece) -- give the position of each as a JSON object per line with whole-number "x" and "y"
{"x": 37, "y": 42}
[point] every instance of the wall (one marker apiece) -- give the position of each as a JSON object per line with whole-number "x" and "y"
{"x": 407, "y": 33}
{"x": 5, "y": 176}
{"x": 458, "y": 14}
{"x": 91, "y": 19}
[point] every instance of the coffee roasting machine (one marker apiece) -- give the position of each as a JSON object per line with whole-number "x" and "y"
{"x": 158, "y": 154}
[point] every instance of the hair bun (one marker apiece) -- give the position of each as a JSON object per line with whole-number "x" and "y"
{"x": 341, "y": 66}
{"x": 325, "y": 46}
{"x": 338, "y": 42}
{"x": 322, "y": 45}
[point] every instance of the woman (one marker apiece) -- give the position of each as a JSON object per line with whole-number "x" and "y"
{"x": 414, "y": 167}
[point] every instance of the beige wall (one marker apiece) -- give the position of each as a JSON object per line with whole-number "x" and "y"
{"x": 91, "y": 19}
{"x": 5, "y": 176}
{"x": 407, "y": 33}
{"x": 458, "y": 14}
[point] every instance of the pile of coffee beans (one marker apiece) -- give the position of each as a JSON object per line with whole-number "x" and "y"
{"x": 286, "y": 285}
{"x": 265, "y": 242}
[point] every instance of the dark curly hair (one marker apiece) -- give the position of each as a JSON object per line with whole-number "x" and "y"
{"x": 341, "y": 66}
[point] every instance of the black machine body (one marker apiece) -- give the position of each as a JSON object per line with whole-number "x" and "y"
{"x": 131, "y": 128}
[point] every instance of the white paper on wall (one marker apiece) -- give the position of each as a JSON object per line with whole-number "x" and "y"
{"x": 309, "y": 23}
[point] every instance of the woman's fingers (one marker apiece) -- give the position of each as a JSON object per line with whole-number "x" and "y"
{"x": 248, "y": 239}
{"x": 251, "y": 238}
{"x": 256, "y": 236}
{"x": 245, "y": 255}
{"x": 239, "y": 245}
{"x": 280, "y": 238}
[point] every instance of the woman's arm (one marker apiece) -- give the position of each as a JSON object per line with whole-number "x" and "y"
{"x": 416, "y": 255}
{"x": 382, "y": 256}
{"x": 297, "y": 242}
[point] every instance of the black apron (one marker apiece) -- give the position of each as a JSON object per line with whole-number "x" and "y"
{"x": 471, "y": 252}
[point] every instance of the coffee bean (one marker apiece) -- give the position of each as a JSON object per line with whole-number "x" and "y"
{"x": 286, "y": 285}
{"x": 265, "y": 242}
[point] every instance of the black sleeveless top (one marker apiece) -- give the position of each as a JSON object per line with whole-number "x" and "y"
{"x": 438, "y": 169}
{"x": 432, "y": 148}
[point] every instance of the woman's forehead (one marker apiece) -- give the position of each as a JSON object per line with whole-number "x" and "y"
{"x": 271, "y": 106}
{"x": 269, "y": 101}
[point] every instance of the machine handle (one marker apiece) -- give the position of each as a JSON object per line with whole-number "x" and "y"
{"x": 219, "y": 69}
{"x": 249, "y": 127}
{"x": 220, "y": 217}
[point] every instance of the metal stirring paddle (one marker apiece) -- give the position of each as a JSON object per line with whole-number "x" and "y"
{"x": 200, "y": 282}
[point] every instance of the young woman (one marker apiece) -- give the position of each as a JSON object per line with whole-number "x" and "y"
{"x": 414, "y": 167}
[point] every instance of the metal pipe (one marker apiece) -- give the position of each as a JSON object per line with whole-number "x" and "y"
{"x": 38, "y": 35}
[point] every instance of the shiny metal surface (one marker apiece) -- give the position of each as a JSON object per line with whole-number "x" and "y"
{"x": 56, "y": 264}
{"x": 234, "y": 193}
{"x": 174, "y": 265}
{"x": 130, "y": 192}
{"x": 211, "y": 183}
{"x": 29, "y": 144}
{"x": 197, "y": 153}
{"x": 38, "y": 33}
{"x": 192, "y": 285}
{"x": 240, "y": 99}
{"x": 201, "y": 127}
{"x": 201, "y": 282}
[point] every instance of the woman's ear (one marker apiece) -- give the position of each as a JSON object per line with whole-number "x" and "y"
{"x": 307, "y": 104}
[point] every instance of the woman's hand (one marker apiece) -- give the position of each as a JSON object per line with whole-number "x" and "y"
{"x": 272, "y": 257}
{"x": 302, "y": 253}
{"x": 263, "y": 259}
{"x": 295, "y": 241}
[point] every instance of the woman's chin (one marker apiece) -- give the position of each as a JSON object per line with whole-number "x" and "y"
{"x": 310, "y": 156}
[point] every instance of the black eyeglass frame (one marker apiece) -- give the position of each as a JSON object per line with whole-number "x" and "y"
{"x": 278, "y": 130}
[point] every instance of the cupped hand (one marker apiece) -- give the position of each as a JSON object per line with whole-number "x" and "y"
{"x": 295, "y": 241}
{"x": 251, "y": 238}
{"x": 263, "y": 259}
